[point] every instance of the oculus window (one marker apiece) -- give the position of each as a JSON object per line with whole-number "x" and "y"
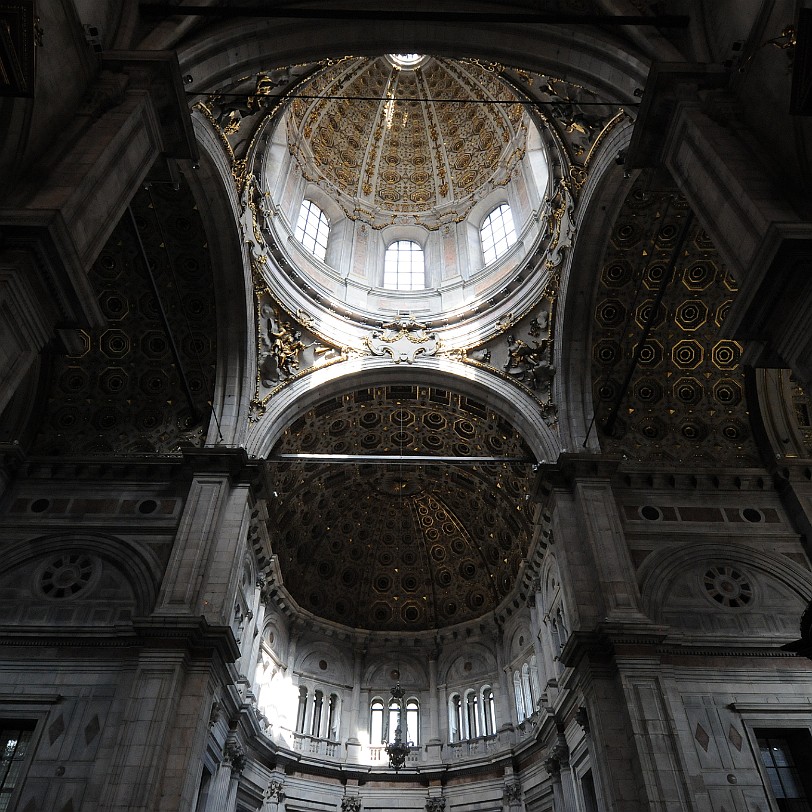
{"x": 403, "y": 267}
{"x": 497, "y": 233}
{"x": 312, "y": 229}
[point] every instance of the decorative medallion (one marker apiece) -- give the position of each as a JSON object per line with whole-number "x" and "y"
{"x": 728, "y": 587}
{"x": 67, "y": 576}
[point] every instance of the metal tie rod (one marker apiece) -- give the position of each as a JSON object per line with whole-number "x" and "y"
{"x": 412, "y": 15}
{"x": 384, "y": 459}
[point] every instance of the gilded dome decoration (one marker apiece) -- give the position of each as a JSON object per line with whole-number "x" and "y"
{"x": 396, "y": 547}
{"x": 409, "y": 135}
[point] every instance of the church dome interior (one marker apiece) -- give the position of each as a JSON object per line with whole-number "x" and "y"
{"x": 405, "y": 408}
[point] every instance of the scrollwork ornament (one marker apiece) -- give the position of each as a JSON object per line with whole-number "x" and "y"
{"x": 403, "y": 340}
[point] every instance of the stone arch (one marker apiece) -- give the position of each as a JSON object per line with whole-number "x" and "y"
{"x": 309, "y": 658}
{"x": 451, "y": 667}
{"x": 661, "y": 571}
{"x": 599, "y": 204}
{"x": 216, "y": 198}
{"x": 140, "y": 566}
{"x": 303, "y": 394}
{"x": 248, "y": 46}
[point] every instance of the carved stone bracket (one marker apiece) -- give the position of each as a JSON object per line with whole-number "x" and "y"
{"x": 402, "y": 340}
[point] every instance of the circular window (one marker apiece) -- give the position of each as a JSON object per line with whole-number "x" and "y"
{"x": 67, "y": 575}
{"x": 651, "y": 513}
{"x": 752, "y": 515}
{"x": 148, "y": 506}
{"x": 728, "y": 587}
{"x": 407, "y": 60}
{"x": 40, "y": 505}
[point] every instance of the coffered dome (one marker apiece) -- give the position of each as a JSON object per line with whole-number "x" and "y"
{"x": 401, "y": 546}
{"x": 420, "y": 136}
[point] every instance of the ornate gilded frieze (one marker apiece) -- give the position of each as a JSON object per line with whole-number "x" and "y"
{"x": 287, "y": 348}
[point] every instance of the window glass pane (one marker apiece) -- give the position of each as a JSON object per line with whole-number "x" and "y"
{"x": 394, "y": 716}
{"x": 376, "y": 724}
{"x": 312, "y": 229}
{"x": 777, "y": 757}
{"x": 403, "y": 267}
{"x": 13, "y": 747}
{"x": 497, "y": 233}
{"x": 412, "y": 722}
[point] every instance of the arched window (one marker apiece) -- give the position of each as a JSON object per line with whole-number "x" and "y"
{"x": 332, "y": 718}
{"x": 527, "y": 690}
{"x": 412, "y": 721}
{"x": 455, "y": 718}
{"x": 497, "y": 233}
{"x": 318, "y": 703}
{"x": 394, "y": 718}
{"x": 376, "y": 723}
{"x": 301, "y": 713}
{"x": 312, "y": 229}
{"x": 518, "y": 696}
{"x": 488, "y": 711}
{"x": 471, "y": 715}
{"x": 403, "y": 267}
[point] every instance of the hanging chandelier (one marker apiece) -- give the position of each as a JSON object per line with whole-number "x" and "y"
{"x": 398, "y": 749}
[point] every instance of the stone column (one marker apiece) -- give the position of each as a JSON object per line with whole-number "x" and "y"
{"x": 560, "y": 752}
{"x": 554, "y": 771}
{"x": 502, "y": 695}
{"x": 536, "y": 620}
{"x": 27, "y": 319}
{"x": 597, "y": 575}
{"x": 434, "y": 700}
{"x": 223, "y": 792}
{"x": 353, "y": 743}
{"x": 512, "y": 796}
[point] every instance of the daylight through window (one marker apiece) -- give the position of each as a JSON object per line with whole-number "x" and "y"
{"x": 312, "y": 229}
{"x": 404, "y": 267}
{"x": 497, "y": 233}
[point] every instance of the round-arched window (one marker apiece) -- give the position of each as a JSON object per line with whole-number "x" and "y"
{"x": 404, "y": 267}
{"x": 312, "y": 229}
{"x": 497, "y": 233}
